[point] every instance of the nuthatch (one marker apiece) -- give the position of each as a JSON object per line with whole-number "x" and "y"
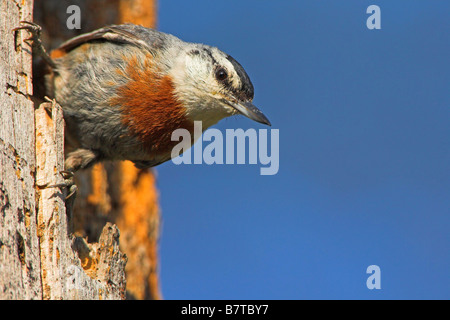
{"x": 124, "y": 89}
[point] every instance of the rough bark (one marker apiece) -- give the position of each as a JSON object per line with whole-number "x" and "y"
{"x": 20, "y": 276}
{"x": 39, "y": 256}
{"x": 71, "y": 268}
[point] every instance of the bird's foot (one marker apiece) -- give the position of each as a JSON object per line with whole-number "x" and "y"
{"x": 35, "y": 40}
{"x": 68, "y": 184}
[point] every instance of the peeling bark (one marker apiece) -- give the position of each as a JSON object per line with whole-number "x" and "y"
{"x": 40, "y": 257}
{"x": 71, "y": 268}
{"x": 20, "y": 276}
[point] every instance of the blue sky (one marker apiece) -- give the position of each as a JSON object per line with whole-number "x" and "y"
{"x": 364, "y": 123}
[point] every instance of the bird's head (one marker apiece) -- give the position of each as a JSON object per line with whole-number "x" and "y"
{"x": 212, "y": 85}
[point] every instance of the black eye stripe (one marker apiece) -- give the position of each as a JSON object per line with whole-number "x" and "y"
{"x": 209, "y": 53}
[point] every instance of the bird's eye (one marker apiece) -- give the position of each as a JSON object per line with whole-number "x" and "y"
{"x": 221, "y": 74}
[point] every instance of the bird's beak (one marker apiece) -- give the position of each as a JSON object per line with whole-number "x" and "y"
{"x": 250, "y": 111}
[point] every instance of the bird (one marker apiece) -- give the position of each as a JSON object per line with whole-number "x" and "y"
{"x": 125, "y": 88}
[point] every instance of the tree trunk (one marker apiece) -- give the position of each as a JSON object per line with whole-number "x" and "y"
{"x": 40, "y": 258}
{"x": 20, "y": 272}
{"x": 71, "y": 268}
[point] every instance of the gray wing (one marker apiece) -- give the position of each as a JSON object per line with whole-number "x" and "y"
{"x": 125, "y": 33}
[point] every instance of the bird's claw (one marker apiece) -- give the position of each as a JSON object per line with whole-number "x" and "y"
{"x": 67, "y": 184}
{"x": 32, "y": 28}
{"x": 29, "y": 26}
{"x": 35, "y": 40}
